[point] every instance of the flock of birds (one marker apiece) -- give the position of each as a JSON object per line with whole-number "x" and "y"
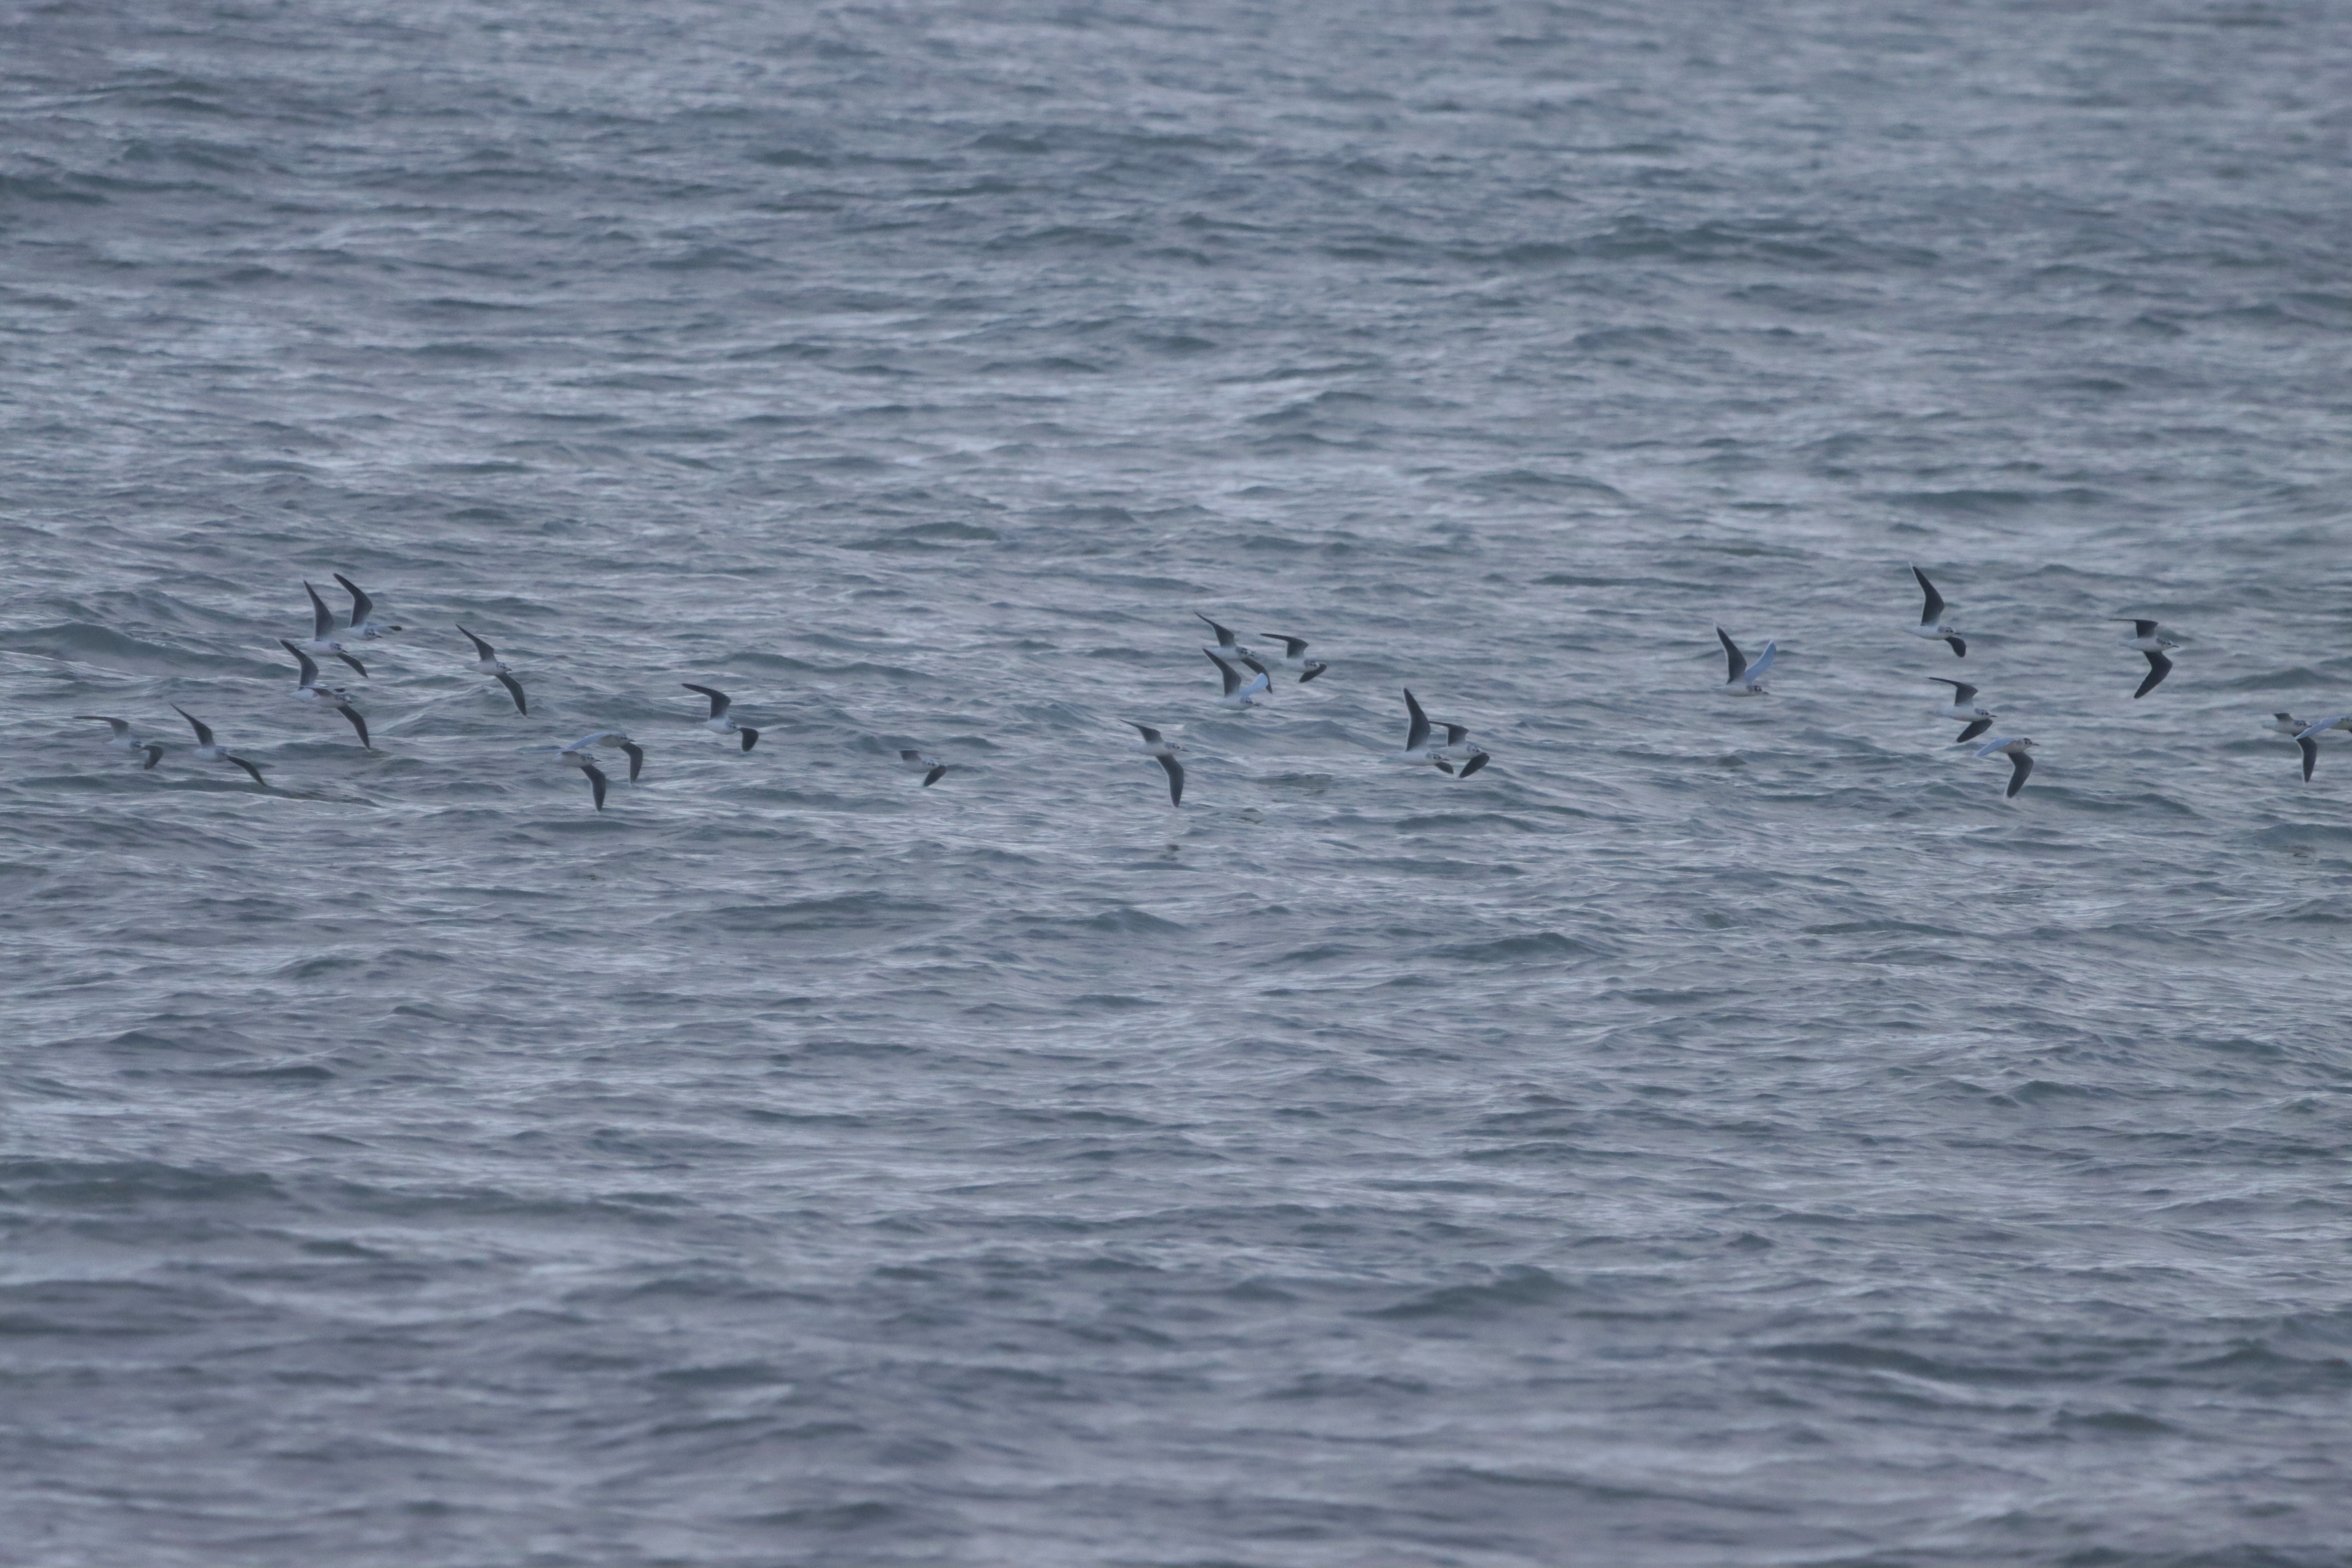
{"x": 1457, "y": 755}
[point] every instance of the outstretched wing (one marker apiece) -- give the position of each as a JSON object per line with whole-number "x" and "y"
{"x": 637, "y": 755}
{"x": 936, "y": 774}
{"x": 1175, "y": 779}
{"x": 1474, "y": 763}
{"x": 310, "y": 669}
{"x": 1148, "y": 732}
{"x": 1416, "y": 730}
{"x": 514, "y": 690}
{"x": 1763, "y": 662}
{"x": 347, "y": 711}
{"x": 1933, "y": 610}
{"x": 204, "y": 731}
{"x": 1231, "y": 675}
{"x": 2159, "y": 666}
{"x": 1973, "y": 730}
{"x": 1738, "y": 660}
{"x": 482, "y": 650}
{"x": 248, "y": 767}
{"x": 361, "y": 606}
{"x": 718, "y": 700}
{"x": 598, "y": 783}
{"x": 322, "y": 620}
{"x": 2017, "y": 775}
{"x": 2305, "y": 744}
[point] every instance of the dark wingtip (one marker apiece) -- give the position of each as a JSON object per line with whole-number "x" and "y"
{"x": 750, "y": 738}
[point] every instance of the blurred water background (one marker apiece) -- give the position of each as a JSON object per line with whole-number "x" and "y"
{"x": 1721, "y": 1131}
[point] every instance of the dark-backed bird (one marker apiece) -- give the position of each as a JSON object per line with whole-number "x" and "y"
{"x": 212, "y": 750}
{"x": 2013, "y": 747}
{"x": 2149, "y": 640}
{"x": 719, "y": 722}
{"x": 487, "y": 662}
{"x": 334, "y": 696}
{"x": 1293, "y": 659}
{"x": 1163, "y": 751}
{"x": 1227, "y": 649}
{"x": 1931, "y": 618}
{"x": 363, "y": 621}
{"x": 1963, "y": 707}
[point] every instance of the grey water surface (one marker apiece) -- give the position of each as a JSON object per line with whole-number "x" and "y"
{"x": 1721, "y": 1131}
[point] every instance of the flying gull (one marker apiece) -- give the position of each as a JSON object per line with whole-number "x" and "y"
{"x": 2151, "y": 642}
{"x": 576, "y": 752}
{"x": 1963, "y": 707}
{"x": 718, "y": 722}
{"x": 363, "y": 621}
{"x": 1417, "y": 749}
{"x": 1236, "y": 695}
{"x": 1293, "y": 659}
{"x": 1746, "y": 680}
{"x": 1154, "y": 745}
{"x": 124, "y": 741}
{"x": 334, "y": 696}
{"x": 1931, "y": 618}
{"x": 931, "y": 768}
{"x": 212, "y": 750}
{"x": 322, "y": 624}
{"x": 488, "y": 663}
{"x": 1227, "y": 649}
{"x": 2014, "y": 748}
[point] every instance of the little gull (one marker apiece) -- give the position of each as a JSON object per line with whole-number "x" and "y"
{"x": 1931, "y": 618}
{"x": 1236, "y": 695}
{"x": 212, "y": 750}
{"x": 323, "y": 622}
{"x": 124, "y": 741}
{"x": 363, "y": 621}
{"x": 1293, "y": 658}
{"x": 577, "y": 751}
{"x": 718, "y": 722}
{"x": 1227, "y": 649}
{"x": 2150, "y": 641}
{"x": 1164, "y": 750}
{"x": 488, "y": 663}
{"x": 334, "y": 696}
{"x": 1746, "y": 680}
{"x": 1963, "y": 707}
{"x": 931, "y": 768}
{"x": 2014, "y": 748}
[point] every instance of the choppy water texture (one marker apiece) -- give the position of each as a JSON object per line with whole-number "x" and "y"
{"x": 1721, "y": 1132}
